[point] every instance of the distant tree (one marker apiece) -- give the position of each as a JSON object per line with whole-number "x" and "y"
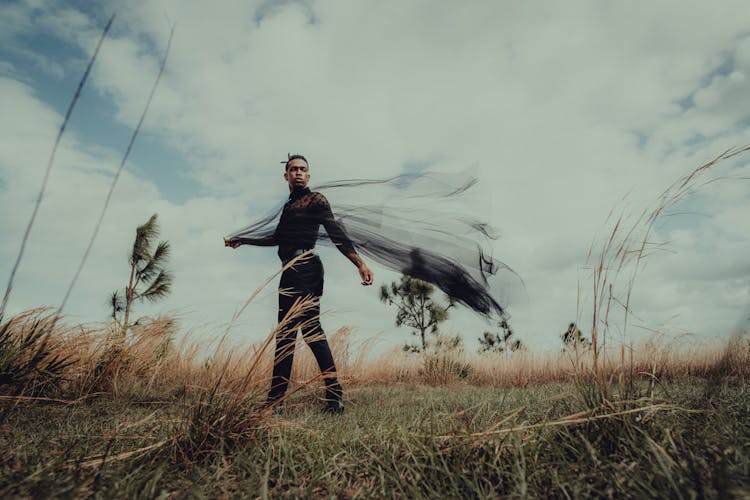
{"x": 441, "y": 343}
{"x": 573, "y": 338}
{"x": 408, "y": 347}
{"x": 502, "y": 341}
{"x": 416, "y": 307}
{"x": 149, "y": 278}
{"x": 448, "y": 343}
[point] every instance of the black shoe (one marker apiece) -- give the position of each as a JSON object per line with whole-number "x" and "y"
{"x": 334, "y": 407}
{"x": 274, "y": 408}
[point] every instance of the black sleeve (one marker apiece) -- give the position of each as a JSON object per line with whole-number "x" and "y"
{"x": 262, "y": 241}
{"x": 334, "y": 228}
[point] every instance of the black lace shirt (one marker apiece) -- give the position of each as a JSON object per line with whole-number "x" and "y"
{"x": 300, "y": 222}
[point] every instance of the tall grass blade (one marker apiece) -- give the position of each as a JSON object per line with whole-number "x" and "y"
{"x": 68, "y": 113}
{"x": 117, "y": 174}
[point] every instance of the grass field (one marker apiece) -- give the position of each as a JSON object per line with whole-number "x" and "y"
{"x": 688, "y": 440}
{"x": 87, "y": 413}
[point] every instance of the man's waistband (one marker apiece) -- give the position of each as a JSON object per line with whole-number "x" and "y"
{"x": 296, "y": 253}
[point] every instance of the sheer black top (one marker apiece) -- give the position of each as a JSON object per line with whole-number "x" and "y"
{"x": 300, "y": 222}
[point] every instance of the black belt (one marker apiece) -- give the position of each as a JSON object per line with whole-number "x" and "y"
{"x": 295, "y": 254}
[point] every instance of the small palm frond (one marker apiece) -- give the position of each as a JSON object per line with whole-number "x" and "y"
{"x": 155, "y": 262}
{"x": 143, "y": 236}
{"x": 117, "y": 303}
{"x": 163, "y": 250}
{"x": 148, "y": 272}
{"x": 160, "y": 287}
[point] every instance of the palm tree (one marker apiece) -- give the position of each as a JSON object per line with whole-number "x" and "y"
{"x": 149, "y": 280}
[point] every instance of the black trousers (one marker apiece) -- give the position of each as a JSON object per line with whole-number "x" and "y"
{"x": 299, "y": 284}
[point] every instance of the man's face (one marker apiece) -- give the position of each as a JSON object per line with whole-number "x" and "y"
{"x": 297, "y": 174}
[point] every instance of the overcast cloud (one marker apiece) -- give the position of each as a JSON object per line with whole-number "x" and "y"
{"x": 563, "y": 108}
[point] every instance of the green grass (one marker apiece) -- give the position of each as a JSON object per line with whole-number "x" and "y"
{"x": 691, "y": 439}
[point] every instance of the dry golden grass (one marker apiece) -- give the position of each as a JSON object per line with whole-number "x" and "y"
{"x": 151, "y": 364}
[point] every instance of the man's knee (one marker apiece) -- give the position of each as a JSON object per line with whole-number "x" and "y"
{"x": 314, "y": 334}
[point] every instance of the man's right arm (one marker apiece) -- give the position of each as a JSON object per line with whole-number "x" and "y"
{"x": 264, "y": 241}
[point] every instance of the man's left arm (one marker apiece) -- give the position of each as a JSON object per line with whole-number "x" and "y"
{"x": 341, "y": 240}
{"x": 364, "y": 272}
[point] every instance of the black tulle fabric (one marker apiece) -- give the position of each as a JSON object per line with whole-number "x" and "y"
{"x": 413, "y": 224}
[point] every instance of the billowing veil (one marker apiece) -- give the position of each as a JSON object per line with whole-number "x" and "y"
{"x": 416, "y": 224}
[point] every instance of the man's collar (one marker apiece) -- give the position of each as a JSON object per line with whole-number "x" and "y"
{"x": 298, "y": 193}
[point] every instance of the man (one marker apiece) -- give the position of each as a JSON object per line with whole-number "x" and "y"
{"x": 295, "y": 234}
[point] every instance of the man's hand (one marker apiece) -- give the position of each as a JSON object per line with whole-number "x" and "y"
{"x": 365, "y": 274}
{"x": 232, "y": 242}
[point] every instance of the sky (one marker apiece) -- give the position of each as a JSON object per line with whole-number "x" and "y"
{"x": 567, "y": 111}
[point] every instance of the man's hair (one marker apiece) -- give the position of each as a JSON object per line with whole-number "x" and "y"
{"x": 291, "y": 157}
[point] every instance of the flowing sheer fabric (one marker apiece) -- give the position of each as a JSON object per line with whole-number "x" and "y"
{"x": 418, "y": 225}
